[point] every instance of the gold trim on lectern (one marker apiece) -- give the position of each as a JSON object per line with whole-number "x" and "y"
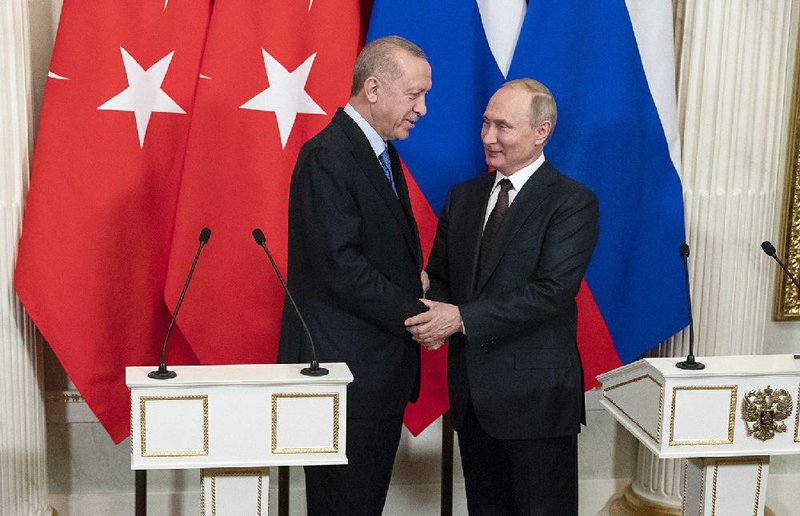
{"x": 289, "y": 451}
{"x": 797, "y": 417}
{"x": 173, "y": 453}
{"x": 698, "y": 442}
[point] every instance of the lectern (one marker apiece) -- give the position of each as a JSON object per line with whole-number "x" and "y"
{"x": 233, "y": 422}
{"x": 726, "y": 420}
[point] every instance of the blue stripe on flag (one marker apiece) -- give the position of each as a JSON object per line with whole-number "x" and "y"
{"x": 444, "y": 148}
{"x": 609, "y": 137}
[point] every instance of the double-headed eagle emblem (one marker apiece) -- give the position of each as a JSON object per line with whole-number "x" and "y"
{"x": 766, "y": 409}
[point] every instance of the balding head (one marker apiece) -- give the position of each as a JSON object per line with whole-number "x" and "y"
{"x": 379, "y": 58}
{"x": 543, "y": 105}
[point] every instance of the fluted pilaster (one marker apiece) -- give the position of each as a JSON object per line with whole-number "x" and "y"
{"x": 23, "y": 482}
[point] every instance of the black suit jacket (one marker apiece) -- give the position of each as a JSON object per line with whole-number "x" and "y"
{"x": 519, "y": 360}
{"x": 354, "y": 266}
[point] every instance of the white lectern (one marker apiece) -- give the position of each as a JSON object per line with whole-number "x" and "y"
{"x": 233, "y": 422}
{"x": 726, "y": 419}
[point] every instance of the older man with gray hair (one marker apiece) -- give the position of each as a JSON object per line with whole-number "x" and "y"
{"x": 355, "y": 269}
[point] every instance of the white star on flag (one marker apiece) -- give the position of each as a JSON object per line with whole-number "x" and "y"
{"x": 286, "y": 95}
{"x": 144, "y": 95}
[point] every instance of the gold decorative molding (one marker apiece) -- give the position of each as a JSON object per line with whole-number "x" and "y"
{"x": 656, "y": 438}
{"x": 787, "y": 305}
{"x": 172, "y": 453}
{"x": 797, "y": 417}
{"x": 700, "y": 442}
{"x": 214, "y": 473}
{"x": 292, "y": 451}
{"x": 735, "y": 462}
{"x": 63, "y": 397}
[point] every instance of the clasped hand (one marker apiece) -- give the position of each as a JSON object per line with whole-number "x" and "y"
{"x": 433, "y": 327}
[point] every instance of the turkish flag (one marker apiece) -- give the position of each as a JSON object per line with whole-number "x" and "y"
{"x": 272, "y": 76}
{"x": 98, "y": 223}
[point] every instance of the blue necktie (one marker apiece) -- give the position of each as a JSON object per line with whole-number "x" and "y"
{"x": 386, "y": 163}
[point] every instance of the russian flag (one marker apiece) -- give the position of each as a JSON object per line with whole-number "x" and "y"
{"x": 610, "y": 66}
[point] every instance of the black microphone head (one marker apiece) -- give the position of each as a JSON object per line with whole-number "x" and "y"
{"x": 205, "y": 234}
{"x": 259, "y": 236}
{"x": 684, "y": 250}
{"x": 768, "y": 248}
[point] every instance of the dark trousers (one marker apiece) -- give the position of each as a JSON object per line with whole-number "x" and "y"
{"x": 359, "y": 488}
{"x": 518, "y": 477}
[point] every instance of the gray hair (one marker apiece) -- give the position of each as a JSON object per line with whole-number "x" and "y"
{"x": 377, "y": 59}
{"x": 543, "y": 105}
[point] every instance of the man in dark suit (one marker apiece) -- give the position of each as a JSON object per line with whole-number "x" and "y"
{"x": 510, "y": 251}
{"x": 355, "y": 269}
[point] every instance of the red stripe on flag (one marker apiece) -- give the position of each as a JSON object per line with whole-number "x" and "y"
{"x": 594, "y": 341}
{"x": 433, "y": 398}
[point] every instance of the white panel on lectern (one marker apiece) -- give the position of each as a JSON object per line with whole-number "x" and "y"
{"x": 702, "y": 414}
{"x": 305, "y": 423}
{"x": 174, "y": 426}
{"x": 634, "y": 398}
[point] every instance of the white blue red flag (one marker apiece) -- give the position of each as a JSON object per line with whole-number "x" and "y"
{"x": 610, "y": 67}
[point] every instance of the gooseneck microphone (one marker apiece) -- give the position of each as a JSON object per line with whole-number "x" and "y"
{"x": 769, "y": 249}
{"x": 690, "y": 362}
{"x": 314, "y": 369}
{"x": 162, "y": 373}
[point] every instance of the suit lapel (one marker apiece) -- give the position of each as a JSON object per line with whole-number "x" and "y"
{"x": 527, "y": 200}
{"x": 405, "y": 202}
{"x": 372, "y": 170}
{"x": 479, "y": 197}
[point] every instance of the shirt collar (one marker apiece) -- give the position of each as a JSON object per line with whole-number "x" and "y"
{"x": 521, "y": 176}
{"x": 375, "y": 140}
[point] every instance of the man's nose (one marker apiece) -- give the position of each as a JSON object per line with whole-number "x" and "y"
{"x": 488, "y": 135}
{"x": 420, "y": 108}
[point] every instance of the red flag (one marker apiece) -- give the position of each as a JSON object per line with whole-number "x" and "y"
{"x": 273, "y": 74}
{"x": 99, "y": 218}
{"x": 433, "y": 398}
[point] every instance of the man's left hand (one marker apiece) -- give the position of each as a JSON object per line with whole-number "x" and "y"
{"x": 437, "y": 324}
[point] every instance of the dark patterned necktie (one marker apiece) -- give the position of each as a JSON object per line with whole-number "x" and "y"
{"x": 495, "y": 219}
{"x": 386, "y": 163}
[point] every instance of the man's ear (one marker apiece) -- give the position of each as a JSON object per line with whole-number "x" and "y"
{"x": 543, "y": 131}
{"x": 371, "y": 89}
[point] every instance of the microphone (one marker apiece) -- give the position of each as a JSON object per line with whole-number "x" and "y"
{"x": 162, "y": 373}
{"x": 690, "y": 362}
{"x": 769, "y": 249}
{"x": 314, "y": 369}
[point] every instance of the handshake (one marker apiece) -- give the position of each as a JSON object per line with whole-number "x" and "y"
{"x": 433, "y": 327}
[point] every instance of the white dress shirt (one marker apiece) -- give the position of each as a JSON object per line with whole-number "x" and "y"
{"x": 375, "y": 140}
{"x": 518, "y": 180}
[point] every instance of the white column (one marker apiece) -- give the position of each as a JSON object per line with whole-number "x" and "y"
{"x": 23, "y": 479}
{"x": 735, "y": 64}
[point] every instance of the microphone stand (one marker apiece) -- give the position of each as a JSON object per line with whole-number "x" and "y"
{"x": 769, "y": 249}
{"x": 162, "y": 373}
{"x": 314, "y": 369}
{"x": 690, "y": 362}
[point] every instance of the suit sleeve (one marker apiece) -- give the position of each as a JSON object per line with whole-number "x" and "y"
{"x": 566, "y": 251}
{"x": 330, "y": 218}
